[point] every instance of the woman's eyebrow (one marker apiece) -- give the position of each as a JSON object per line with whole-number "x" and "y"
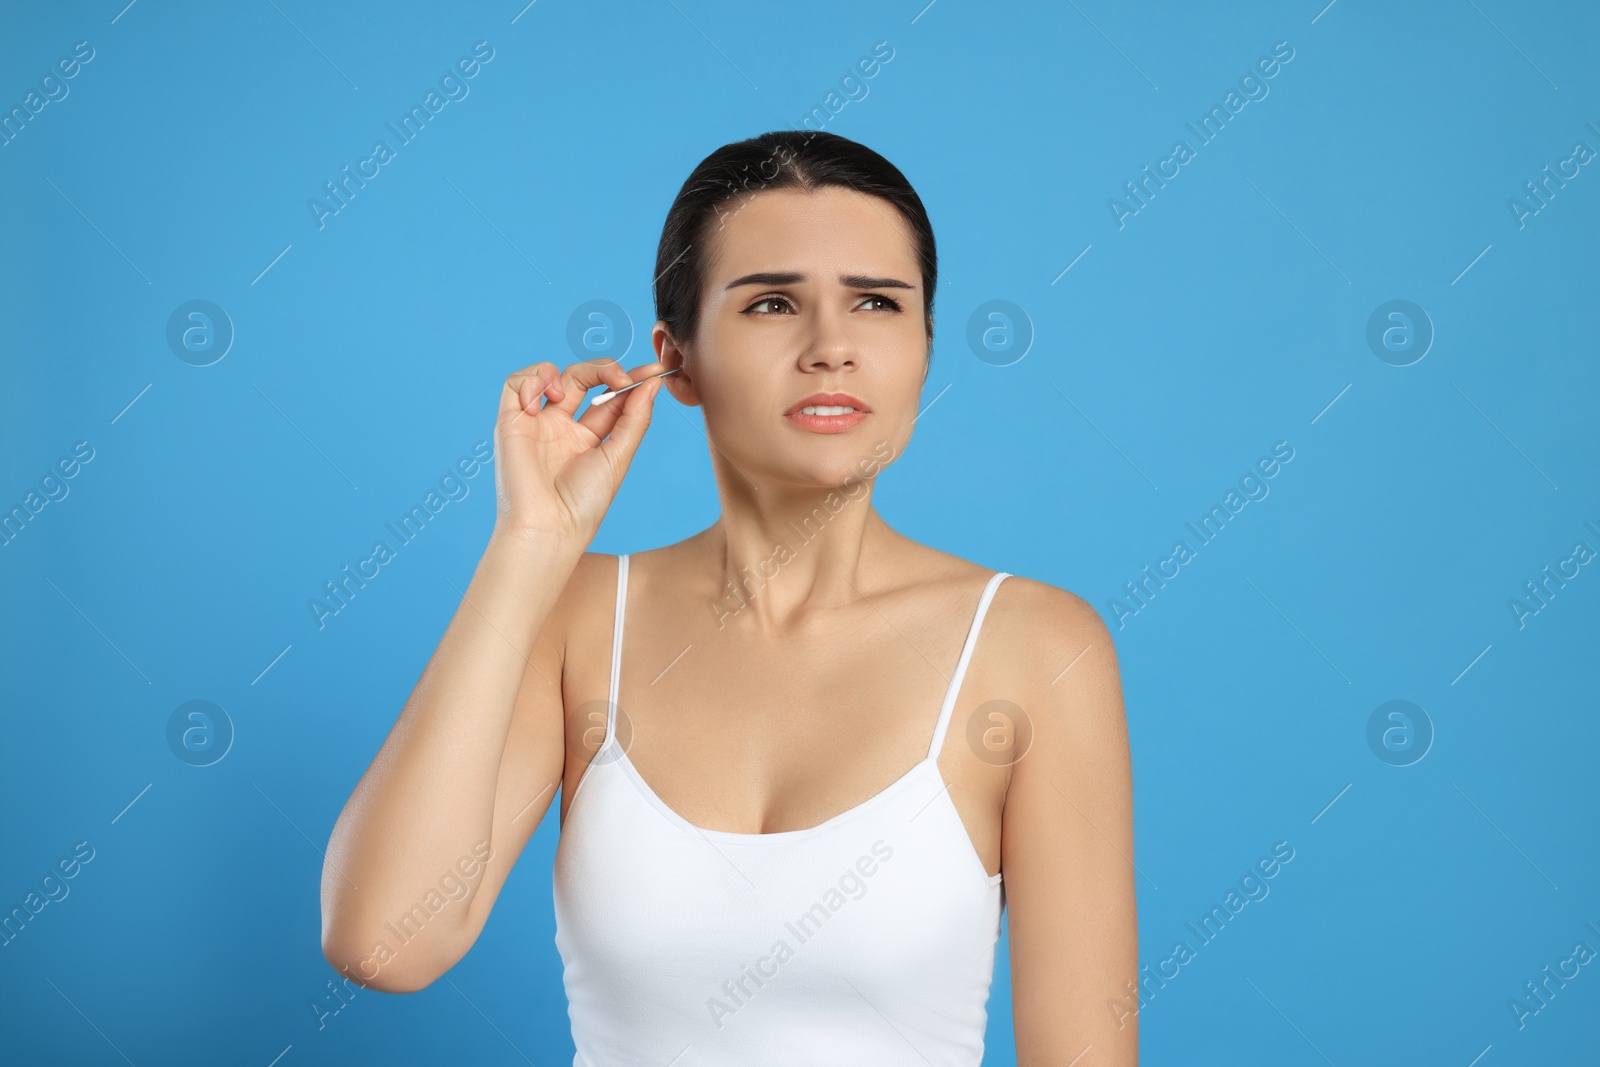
{"x": 853, "y": 281}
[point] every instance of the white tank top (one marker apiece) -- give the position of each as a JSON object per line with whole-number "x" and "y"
{"x": 866, "y": 939}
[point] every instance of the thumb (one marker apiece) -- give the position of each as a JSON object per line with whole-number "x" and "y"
{"x": 623, "y": 441}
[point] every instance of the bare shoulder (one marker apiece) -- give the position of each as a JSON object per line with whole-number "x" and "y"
{"x": 1026, "y": 617}
{"x": 1053, "y": 650}
{"x": 589, "y": 602}
{"x": 1039, "y": 640}
{"x": 1040, "y": 617}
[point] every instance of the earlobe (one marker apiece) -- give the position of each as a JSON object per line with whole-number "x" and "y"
{"x": 682, "y": 386}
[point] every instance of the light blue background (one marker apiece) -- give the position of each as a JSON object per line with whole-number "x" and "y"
{"x": 1228, "y": 314}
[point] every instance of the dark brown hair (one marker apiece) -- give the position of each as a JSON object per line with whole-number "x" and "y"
{"x": 781, "y": 159}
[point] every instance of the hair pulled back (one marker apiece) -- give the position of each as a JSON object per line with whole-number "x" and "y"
{"x": 781, "y": 159}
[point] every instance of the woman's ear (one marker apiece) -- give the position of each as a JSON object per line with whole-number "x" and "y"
{"x": 685, "y": 390}
{"x": 670, "y": 354}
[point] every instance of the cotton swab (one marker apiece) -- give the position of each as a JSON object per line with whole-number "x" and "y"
{"x": 603, "y": 397}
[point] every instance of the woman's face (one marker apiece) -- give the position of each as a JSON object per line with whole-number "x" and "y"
{"x": 807, "y": 293}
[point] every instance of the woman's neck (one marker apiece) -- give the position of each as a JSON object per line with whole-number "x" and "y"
{"x": 776, "y": 563}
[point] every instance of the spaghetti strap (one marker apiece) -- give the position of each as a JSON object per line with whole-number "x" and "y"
{"x": 616, "y": 647}
{"x": 961, "y": 667}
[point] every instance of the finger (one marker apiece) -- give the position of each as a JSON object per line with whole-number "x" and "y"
{"x": 523, "y": 388}
{"x": 623, "y": 442}
{"x": 579, "y": 378}
{"x": 600, "y": 420}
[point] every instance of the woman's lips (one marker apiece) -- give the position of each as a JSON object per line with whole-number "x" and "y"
{"x": 827, "y": 423}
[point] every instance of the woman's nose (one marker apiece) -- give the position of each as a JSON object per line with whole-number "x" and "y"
{"x": 830, "y": 344}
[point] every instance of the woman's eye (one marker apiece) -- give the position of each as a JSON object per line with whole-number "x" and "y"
{"x": 769, "y": 305}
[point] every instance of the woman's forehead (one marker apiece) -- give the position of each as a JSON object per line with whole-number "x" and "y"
{"x": 826, "y": 232}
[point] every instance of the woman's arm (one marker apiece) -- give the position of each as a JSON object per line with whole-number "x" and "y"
{"x": 426, "y": 817}
{"x": 468, "y": 771}
{"x": 1067, "y": 847}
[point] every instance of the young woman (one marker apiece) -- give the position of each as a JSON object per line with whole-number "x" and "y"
{"x": 804, "y": 761}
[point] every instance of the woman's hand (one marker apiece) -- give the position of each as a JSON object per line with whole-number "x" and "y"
{"x": 555, "y": 475}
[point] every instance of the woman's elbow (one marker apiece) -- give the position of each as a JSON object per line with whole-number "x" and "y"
{"x": 378, "y": 969}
